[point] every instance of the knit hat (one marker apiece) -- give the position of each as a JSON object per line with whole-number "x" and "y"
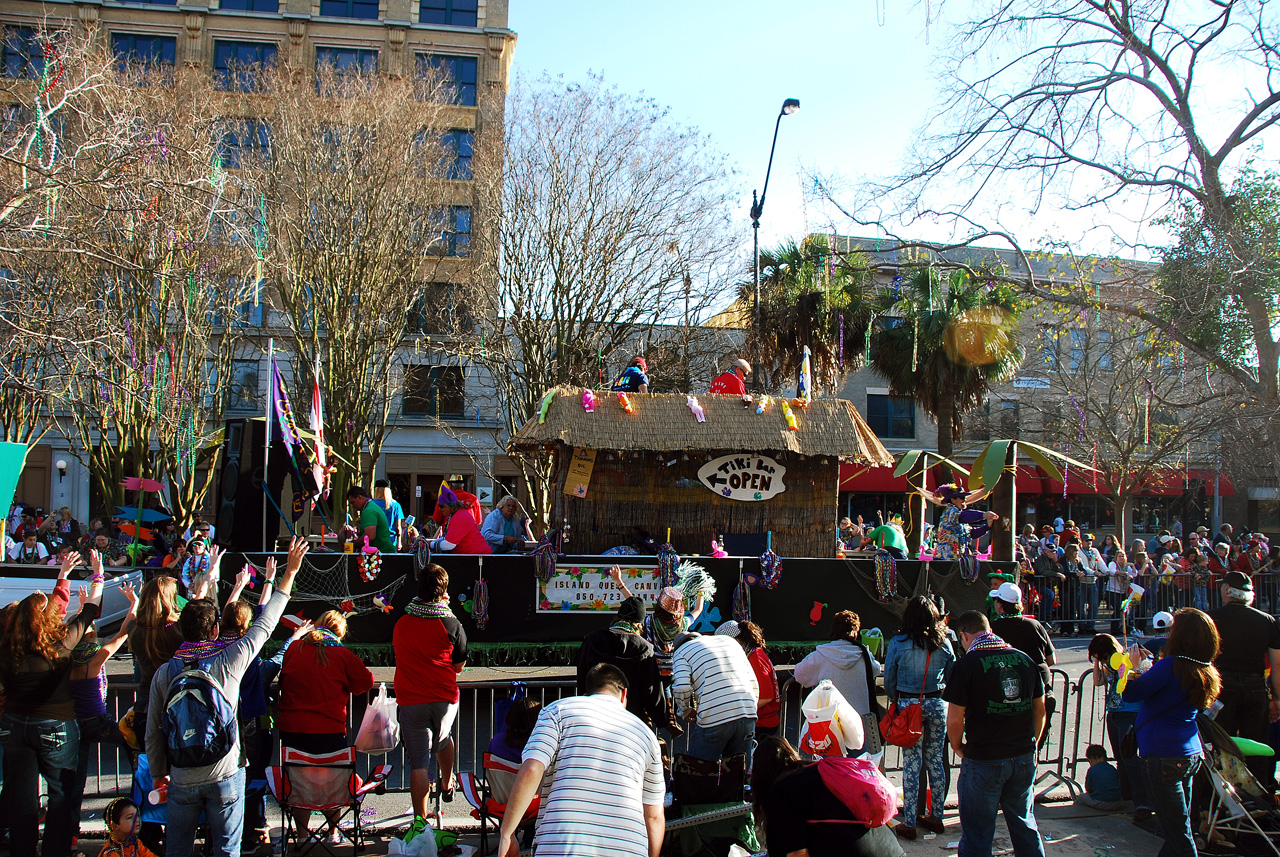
{"x": 727, "y": 629}
{"x": 632, "y": 610}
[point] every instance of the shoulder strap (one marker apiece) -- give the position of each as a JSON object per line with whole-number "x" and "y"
{"x": 871, "y": 678}
{"x": 924, "y": 678}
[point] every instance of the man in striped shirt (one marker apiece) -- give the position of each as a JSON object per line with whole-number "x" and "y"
{"x": 604, "y": 787}
{"x": 713, "y": 681}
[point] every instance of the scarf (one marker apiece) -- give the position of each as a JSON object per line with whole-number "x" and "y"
{"x": 198, "y": 651}
{"x": 629, "y": 627}
{"x": 665, "y": 631}
{"x": 84, "y": 652}
{"x": 987, "y": 641}
{"x": 325, "y": 637}
{"x": 428, "y": 609}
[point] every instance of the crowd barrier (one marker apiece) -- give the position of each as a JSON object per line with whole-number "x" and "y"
{"x": 1077, "y": 721}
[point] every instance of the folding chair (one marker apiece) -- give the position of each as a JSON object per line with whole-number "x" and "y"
{"x": 1227, "y": 813}
{"x": 325, "y": 783}
{"x": 488, "y": 796}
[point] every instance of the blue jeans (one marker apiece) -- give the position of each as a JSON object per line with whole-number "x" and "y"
{"x": 223, "y": 804}
{"x": 986, "y": 786}
{"x": 35, "y": 747}
{"x": 95, "y": 731}
{"x": 1169, "y": 781}
{"x": 711, "y": 743}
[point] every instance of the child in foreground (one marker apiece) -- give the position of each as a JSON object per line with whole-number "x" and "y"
{"x": 1101, "y": 783}
{"x": 122, "y": 831}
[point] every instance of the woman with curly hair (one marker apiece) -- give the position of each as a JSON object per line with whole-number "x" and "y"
{"x": 38, "y": 730}
{"x": 154, "y": 640}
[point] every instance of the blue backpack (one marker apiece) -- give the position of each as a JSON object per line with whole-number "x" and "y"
{"x": 200, "y": 722}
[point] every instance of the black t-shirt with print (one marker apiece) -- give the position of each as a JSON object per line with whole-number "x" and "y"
{"x": 996, "y": 688}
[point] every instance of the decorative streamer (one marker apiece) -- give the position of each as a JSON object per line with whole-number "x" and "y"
{"x": 841, "y": 344}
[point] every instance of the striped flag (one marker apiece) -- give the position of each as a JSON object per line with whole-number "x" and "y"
{"x": 319, "y": 461}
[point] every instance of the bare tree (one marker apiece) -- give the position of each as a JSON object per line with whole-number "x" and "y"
{"x": 107, "y": 228}
{"x": 1136, "y": 406}
{"x": 1111, "y": 106}
{"x": 615, "y": 219}
{"x": 367, "y": 230}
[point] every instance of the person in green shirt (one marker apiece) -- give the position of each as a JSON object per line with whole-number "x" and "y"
{"x": 890, "y": 537}
{"x": 373, "y": 521}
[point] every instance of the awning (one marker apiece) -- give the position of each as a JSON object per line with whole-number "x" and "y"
{"x": 1033, "y": 480}
{"x": 880, "y": 480}
{"x": 1175, "y": 483}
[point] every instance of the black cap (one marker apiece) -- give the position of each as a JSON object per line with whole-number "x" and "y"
{"x": 632, "y": 610}
{"x": 1238, "y": 580}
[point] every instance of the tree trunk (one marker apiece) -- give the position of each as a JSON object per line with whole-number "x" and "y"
{"x": 1120, "y": 505}
{"x": 1004, "y": 502}
{"x": 946, "y": 432}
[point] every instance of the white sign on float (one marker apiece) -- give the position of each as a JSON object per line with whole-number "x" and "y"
{"x": 746, "y": 477}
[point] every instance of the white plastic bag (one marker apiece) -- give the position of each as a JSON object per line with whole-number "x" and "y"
{"x": 831, "y": 725}
{"x": 380, "y": 728}
{"x": 423, "y": 845}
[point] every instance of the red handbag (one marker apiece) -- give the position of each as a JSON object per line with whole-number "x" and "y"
{"x": 902, "y": 725}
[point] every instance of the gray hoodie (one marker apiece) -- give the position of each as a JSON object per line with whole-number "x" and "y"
{"x": 226, "y": 668}
{"x": 840, "y": 661}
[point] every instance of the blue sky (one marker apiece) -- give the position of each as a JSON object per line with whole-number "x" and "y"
{"x": 725, "y": 67}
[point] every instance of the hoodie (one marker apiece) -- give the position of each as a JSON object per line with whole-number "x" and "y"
{"x": 633, "y": 655}
{"x": 840, "y": 661}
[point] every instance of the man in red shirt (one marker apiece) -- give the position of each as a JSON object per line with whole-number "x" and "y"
{"x": 431, "y": 649}
{"x": 733, "y": 381}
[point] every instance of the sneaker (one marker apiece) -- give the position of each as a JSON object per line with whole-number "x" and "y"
{"x": 931, "y": 824}
{"x": 419, "y": 826}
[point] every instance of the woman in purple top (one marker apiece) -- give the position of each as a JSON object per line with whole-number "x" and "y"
{"x": 89, "y": 695}
{"x": 508, "y": 745}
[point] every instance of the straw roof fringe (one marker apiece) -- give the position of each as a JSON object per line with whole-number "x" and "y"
{"x": 663, "y": 423}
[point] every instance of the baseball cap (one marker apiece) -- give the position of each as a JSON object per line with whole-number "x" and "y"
{"x": 727, "y": 629}
{"x": 1164, "y": 540}
{"x": 1162, "y": 620}
{"x": 1009, "y": 593}
{"x": 1088, "y": 537}
{"x": 742, "y": 364}
{"x": 1238, "y": 580}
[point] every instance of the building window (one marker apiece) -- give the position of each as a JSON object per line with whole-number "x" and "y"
{"x": 891, "y": 416}
{"x": 1049, "y": 347}
{"x": 134, "y": 51}
{"x": 451, "y": 13}
{"x": 1007, "y": 421}
{"x": 153, "y": 2}
{"x": 245, "y": 142}
{"x": 237, "y": 65}
{"x": 242, "y": 392}
{"x": 458, "y": 146}
{"x": 367, "y": 9}
{"x": 433, "y": 391}
{"x": 271, "y": 6}
{"x": 450, "y": 231}
{"x": 1106, "y": 360}
{"x": 459, "y": 73}
{"x": 345, "y": 64}
{"x": 1079, "y": 340}
{"x": 439, "y": 308}
{"x": 21, "y": 53}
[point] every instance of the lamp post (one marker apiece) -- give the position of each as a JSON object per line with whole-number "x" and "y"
{"x": 791, "y": 105}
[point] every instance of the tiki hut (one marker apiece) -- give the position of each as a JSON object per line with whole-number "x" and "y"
{"x": 619, "y": 476}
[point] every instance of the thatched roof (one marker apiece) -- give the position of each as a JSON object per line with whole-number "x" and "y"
{"x": 663, "y": 423}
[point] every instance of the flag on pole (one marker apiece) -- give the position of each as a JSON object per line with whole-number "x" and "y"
{"x": 319, "y": 461}
{"x": 283, "y": 411}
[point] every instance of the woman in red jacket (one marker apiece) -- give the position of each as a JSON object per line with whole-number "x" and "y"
{"x": 317, "y": 679}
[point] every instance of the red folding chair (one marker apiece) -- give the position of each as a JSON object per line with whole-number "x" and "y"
{"x": 488, "y": 807}
{"x": 326, "y": 783}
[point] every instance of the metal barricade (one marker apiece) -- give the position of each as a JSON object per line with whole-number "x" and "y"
{"x": 1074, "y": 612}
{"x": 1058, "y": 744}
{"x": 1090, "y": 725}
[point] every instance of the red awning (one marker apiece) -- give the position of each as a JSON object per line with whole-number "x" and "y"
{"x": 1033, "y": 480}
{"x": 880, "y": 480}
{"x": 1172, "y": 484}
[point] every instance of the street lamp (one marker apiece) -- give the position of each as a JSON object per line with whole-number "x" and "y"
{"x": 791, "y": 105}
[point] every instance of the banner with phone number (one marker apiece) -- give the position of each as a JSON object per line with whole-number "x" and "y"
{"x": 590, "y": 589}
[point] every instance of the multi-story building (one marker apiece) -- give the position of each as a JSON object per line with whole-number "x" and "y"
{"x": 441, "y": 427}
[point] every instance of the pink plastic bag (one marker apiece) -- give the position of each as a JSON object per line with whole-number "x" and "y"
{"x": 861, "y": 787}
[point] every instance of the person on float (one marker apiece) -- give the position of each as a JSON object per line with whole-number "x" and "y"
{"x": 958, "y": 524}
{"x": 733, "y": 382}
{"x": 634, "y": 379}
{"x": 461, "y": 532}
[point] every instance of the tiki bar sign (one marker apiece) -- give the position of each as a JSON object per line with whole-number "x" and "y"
{"x": 743, "y": 477}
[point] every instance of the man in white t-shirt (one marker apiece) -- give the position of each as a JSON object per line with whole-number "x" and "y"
{"x": 604, "y": 787}
{"x": 714, "y": 687}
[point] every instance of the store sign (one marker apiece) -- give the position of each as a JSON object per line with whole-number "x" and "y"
{"x": 590, "y": 589}
{"x": 743, "y": 477}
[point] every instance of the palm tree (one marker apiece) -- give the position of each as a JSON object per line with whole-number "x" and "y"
{"x": 807, "y": 298}
{"x": 945, "y": 342}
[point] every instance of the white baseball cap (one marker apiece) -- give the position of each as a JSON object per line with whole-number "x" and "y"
{"x": 1162, "y": 620}
{"x": 1009, "y": 593}
{"x": 727, "y": 629}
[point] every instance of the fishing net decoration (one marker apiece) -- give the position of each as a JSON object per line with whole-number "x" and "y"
{"x": 329, "y": 584}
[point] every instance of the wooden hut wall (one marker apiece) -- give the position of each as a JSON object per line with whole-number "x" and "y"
{"x": 654, "y": 491}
